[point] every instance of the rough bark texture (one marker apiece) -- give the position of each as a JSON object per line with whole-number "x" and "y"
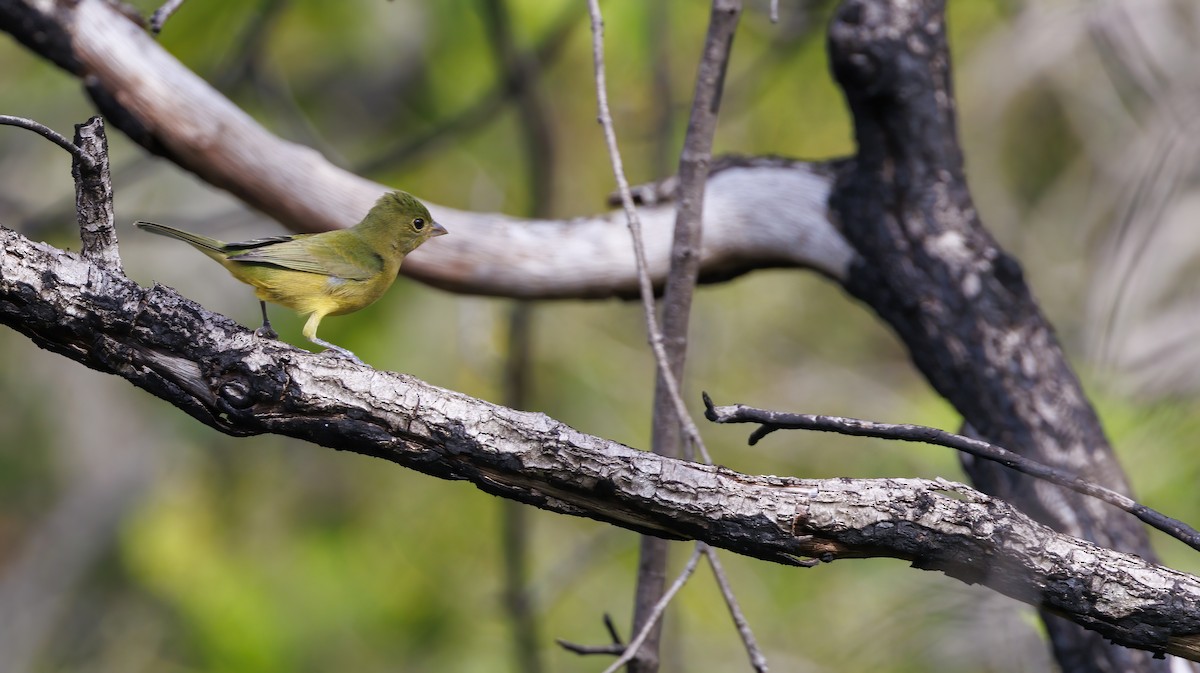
{"x": 94, "y": 197}
{"x": 232, "y": 380}
{"x": 916, "y": 253}
{"x": 959, "y": 302}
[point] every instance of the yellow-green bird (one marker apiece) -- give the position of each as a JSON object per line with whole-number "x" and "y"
{"x": 330, "y": 273}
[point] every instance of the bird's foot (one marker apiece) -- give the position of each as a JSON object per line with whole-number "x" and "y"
{"x": 343, "y": 353}
{"x": 338, "y": 351}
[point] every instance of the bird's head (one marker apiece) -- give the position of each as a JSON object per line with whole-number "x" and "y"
{"x": 402, "y": 218}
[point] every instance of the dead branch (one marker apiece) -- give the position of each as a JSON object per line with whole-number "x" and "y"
{"x": 225, "y": 376}
{"x": 770, "y": 216}
{"x": 770, "y": 421}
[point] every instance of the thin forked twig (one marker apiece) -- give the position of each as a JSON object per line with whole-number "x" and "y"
{"x": 694, "y": 161}
{"x": 49, "y": 134}
{"x": 585, "y": 650}
{"x": 634, "y": 645}
{"x": 770, "y": 421}
{"x": 653, "y": 552}
{"x": 615, "y": 648}
{"x": 635, "y": 228}
{"x": 707, "y": 97}
{"x": 757, "y": 659}
{"x": 159, "y": 18}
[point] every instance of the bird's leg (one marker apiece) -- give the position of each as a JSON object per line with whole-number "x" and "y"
{"x": 265, "y": 330}
{"x": 310, "y": 333}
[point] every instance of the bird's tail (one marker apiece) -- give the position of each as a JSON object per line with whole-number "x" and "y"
{"x": 203, "y": 243}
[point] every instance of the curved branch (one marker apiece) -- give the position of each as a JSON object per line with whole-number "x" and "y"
{"x": 756, "y": 216}
{"x": 225, "y": 376}
{"x": 49, "y": 134}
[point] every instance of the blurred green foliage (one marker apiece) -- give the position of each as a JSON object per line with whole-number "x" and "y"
{"x": 266, "y": 554}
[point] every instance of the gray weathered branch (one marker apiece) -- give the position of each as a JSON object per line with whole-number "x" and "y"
{"x": 769, "y": 215}
{"x": 230, "y": 379}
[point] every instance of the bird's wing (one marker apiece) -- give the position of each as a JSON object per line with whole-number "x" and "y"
{"x": 258, "y": 243}
{"x": 325, "y": 254}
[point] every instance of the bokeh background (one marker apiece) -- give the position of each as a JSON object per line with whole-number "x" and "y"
{"x": 133, "y": 539}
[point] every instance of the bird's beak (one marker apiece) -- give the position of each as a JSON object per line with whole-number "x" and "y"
{"x": 438, "y": 230}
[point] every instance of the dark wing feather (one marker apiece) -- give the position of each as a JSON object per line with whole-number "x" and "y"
{"x": 257, "y": 243}
{"x": 328, "y": 254}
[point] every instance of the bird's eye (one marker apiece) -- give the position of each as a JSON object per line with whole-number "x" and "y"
{"x": 419, "y": 223}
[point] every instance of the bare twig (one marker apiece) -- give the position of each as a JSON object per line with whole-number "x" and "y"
{"x": 93, "y": 186}
{"x": 588, "y": 650}
{"x": 653, "y": 551}
{"x": 655, "y": 615}
{"x": 694, "y": 162}
{"x": 757, "y": 659}
{"x": 612, "y": 629}
{"x": 635, "y": 225}
{"x": 670, "y": 412}
{"x": 653, "y": 554}
{"x": 771, "y": 421}
{"x": 616, "y": 647}
{"x": 159, "y": 18}
{"x": 49, "y": 134}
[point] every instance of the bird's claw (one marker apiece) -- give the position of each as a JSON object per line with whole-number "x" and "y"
{"x": 334, "y": 349}
{"x": 266, "y": 332}
{"x": 343, "y": 353}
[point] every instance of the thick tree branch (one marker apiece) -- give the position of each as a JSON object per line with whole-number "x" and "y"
{"x": 225, "y": 376}
{"x": 958, "y": 301}
{"x": 770, "y": 216}
{"x": 930, "y": 269}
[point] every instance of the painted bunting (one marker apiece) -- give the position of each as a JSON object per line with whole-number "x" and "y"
{"x": 330, "y": 273}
